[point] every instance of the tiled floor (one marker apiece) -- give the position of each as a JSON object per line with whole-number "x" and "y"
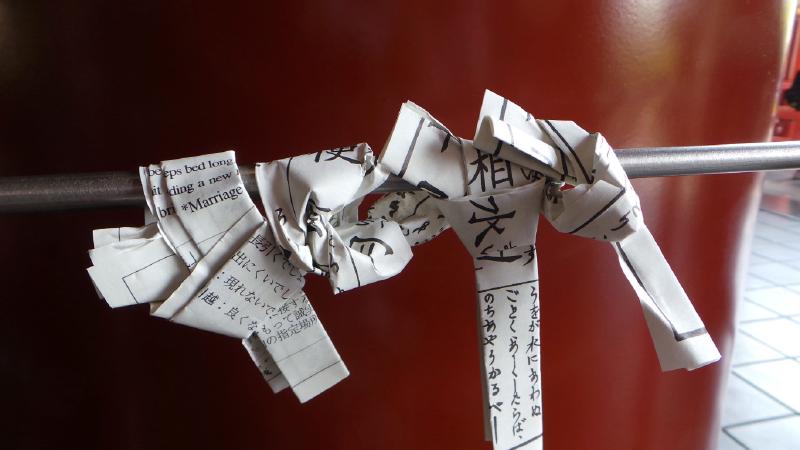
{"x": 762, "y": 405}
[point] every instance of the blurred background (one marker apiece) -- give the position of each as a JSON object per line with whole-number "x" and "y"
{"x": 111, "y": 85}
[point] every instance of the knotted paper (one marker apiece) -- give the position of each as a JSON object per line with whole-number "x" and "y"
{"x": 311, "y": 204}
{"x": 211, "y": 261}
{"x": 491, "y": 190}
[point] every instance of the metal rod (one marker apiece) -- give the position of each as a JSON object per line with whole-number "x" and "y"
{"x": 123, "y": 189}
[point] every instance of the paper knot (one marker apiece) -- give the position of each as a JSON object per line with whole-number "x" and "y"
{"x": 312, "y": 202}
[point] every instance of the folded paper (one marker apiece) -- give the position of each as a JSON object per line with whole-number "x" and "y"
{"x": 134, "y": 265}
{"x": 311, "y": 204}
{"x": 210, "y": 260}
{"x": 491, "y": 191}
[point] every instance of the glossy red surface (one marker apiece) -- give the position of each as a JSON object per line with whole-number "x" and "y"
{"x": 112, "y": 85}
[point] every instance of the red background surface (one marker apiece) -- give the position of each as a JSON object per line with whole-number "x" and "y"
{"x": 103, "y": 85}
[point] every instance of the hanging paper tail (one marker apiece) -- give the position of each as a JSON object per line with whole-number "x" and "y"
{"x": 266, "y": 365}
{"x": 679, "y": 336}
{"x": 306, "y": 358}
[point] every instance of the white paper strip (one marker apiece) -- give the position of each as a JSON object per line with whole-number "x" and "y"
{"x": 245, "y": 273}
{"x": 515, "y": 167}
{"x": 306, "y": 199}
{"x": 134, "y": 269}
{"x": 240, "y": 284}
{"x": 499, "y": 231}
{"x": 196, "y": 201}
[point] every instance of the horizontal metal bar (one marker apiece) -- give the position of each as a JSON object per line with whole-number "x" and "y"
{"x": 123, "y": 189}
{"x": 709, "y": 159}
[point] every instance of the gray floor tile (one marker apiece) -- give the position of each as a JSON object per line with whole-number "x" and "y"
{"x": 779, "y": 299}
{"x": 781, "y": 334}
{"x": 793, "y": 226}
{"x": 779, "y": 176}
{"x": 778, "y": 379}
{"x": 747, "y": 311}
{"x": 776, "y": 434}
{"x": 748, "y": 350}
{"x": 777, "y": 234}
{"x": 744, "y": 403}
{"x": 777, "y": 273}
{"x": 726, "y": 443}
{"x": 794, "y": 264}
{"x": 758, "y": 259}
{"x": 758, "y": 240}
{"x": 765, "y": 383}
{"x": 775, "y": 251}
{"x": 754, "y": 282}
{"x": 774, "y": 219}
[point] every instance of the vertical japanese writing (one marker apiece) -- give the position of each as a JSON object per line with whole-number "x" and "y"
{"x": 532, "y": 352}
{"x": 489, "y": 337}
{"x": 289, "y": 319}
{"x": 510, "y": 344}
{"x": 513, "y": 347}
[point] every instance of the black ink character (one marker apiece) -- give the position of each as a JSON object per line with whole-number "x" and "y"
{"x": 448, "y": 136}
{"x": 312, "y": 215}
{"x": 338, "y": 153}
{"x": 531, "y": 252}
{"x": 496, "y": 168}
{"x": 232, "y": 312}
{"x": 624, "y": 219}
{"x": 281, "y": 216}
{"x": 431, "y": 189}
{"x": 530, "y": 175}
{"x": 394, "y": 205}
{"x": 209, "y": 297}
{"x": 492, "y": 220}
{"x": 498, "y": 258}
{"x": 422, "y": 227}
{"x": 371, "y": 241}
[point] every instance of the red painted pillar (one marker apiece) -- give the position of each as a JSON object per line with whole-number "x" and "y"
{"x": 108, "y": 86}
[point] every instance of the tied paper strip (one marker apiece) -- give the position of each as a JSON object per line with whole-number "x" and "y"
{"x": 134, "y": 265}
{"x": 311, "y": 202}
{"x": 508, "y": 307}
{"x": 211, "y": 262}
{"x": 603, "y": 206}
{"x": 240, "y": 281}
{"x": 196, "y": 201}
{"x": 490, "y": 192}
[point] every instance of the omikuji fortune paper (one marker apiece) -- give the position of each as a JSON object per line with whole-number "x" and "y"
{"x": 212, "y": 261}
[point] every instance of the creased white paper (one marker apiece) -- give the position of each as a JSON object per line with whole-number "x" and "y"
{"x": 196, "y": 200}
{"x": 311, "y": 205}
{"x": 238, "y": 282}
{"x": 515, "y": 168}
{"x": 211, "y": 261}
{"x": 134, "y": 265}
{"x": 310, "y": 202}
